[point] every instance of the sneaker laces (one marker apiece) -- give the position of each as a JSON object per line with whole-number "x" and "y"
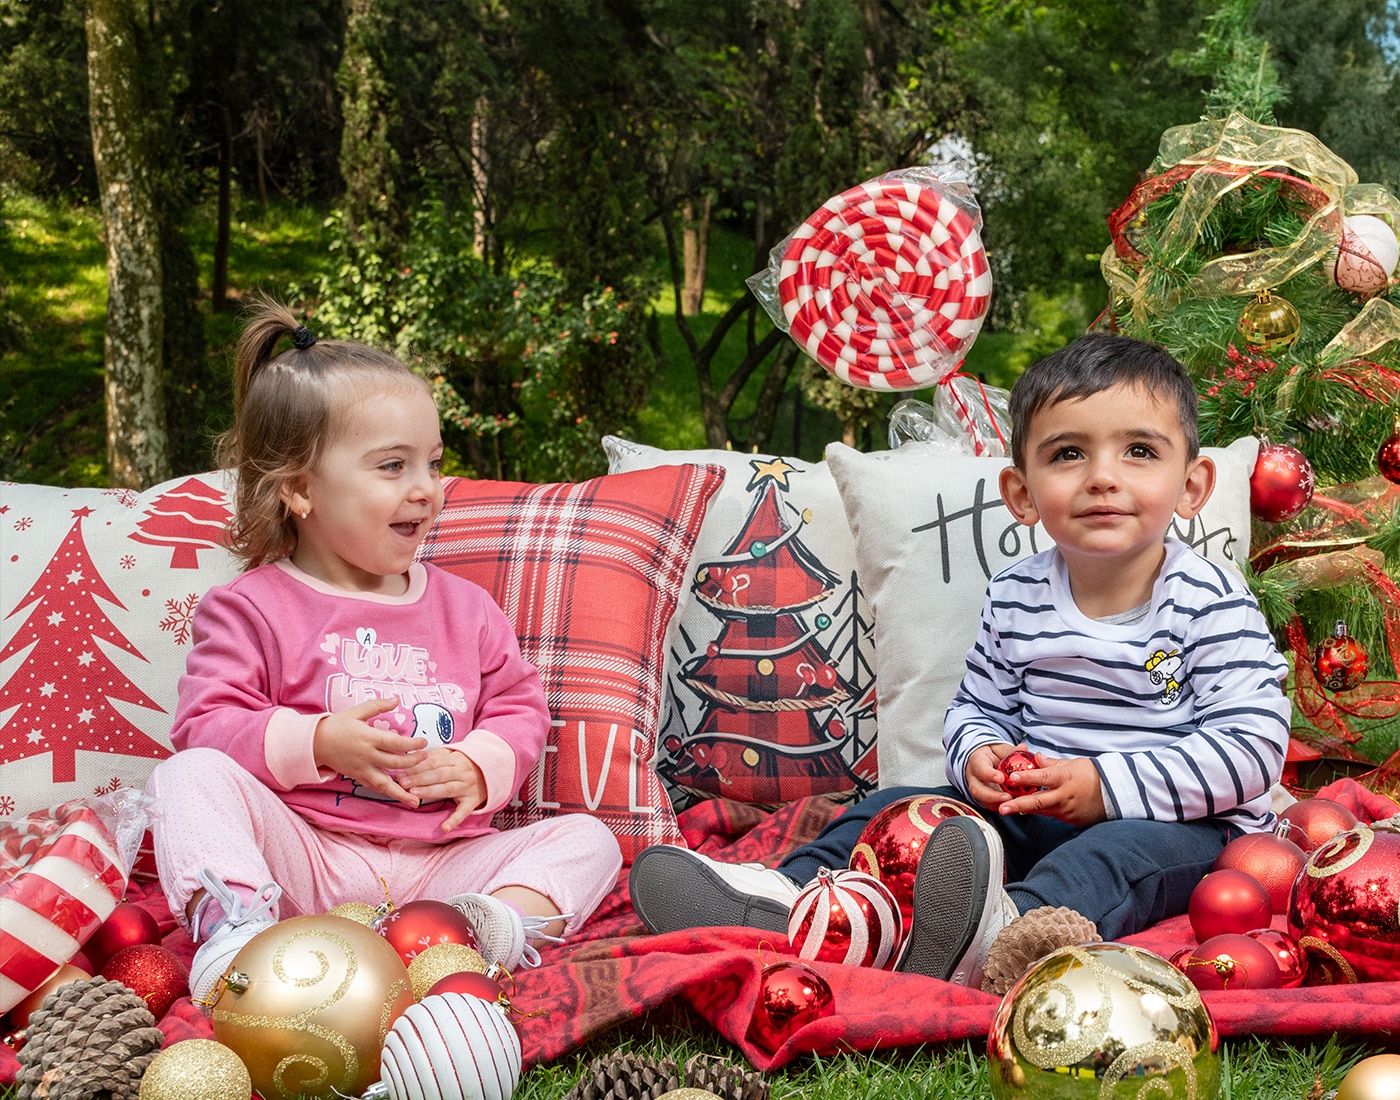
{"x": 235, "y": 913}
{"x": 535, "y": 930}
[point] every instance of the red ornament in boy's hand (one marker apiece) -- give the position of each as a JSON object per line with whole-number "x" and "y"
{"x": 1015, "y": 762}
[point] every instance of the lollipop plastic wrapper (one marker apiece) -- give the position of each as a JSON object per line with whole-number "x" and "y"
{"x": 886, "y": 286}
{"x": 967, "y": 419}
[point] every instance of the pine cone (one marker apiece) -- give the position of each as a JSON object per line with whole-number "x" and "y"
{"x": 1028, "y": 939}
{"x": 625, "y": 1077}
{"x": 725, "y": 1079}
{"x": 91, "y": 1040}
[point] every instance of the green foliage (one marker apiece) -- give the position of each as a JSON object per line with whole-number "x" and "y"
{"x": 527, "y": 374}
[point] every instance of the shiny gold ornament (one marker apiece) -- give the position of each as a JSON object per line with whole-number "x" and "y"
{"x": 196, "y": 1069}
{"x": 1103, "y": 1022}
{"x": 315, "y": 998}
{"x": 356, "y": 911}
{"x": 434, "y": 963}
{"x": 1270, "y": 324}
{"x": 689, "y": 1094}
{"x": 1376, "y": 1078}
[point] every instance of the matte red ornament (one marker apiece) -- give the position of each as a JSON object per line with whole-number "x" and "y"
{"x": 418, "y": 925}
{"x": 791, "y": 995}
{"x": 1274, "y": 860}
{"x": 1231, "y": 961}
{"x": 152, "y": 972}
{"x": 1346, "y": 908}
{"x": 846, "y": 917}
{"x": 1228, "y": 901}
{"x": 470, "y": 983}
{"x": 893, "y": 840}
{"x": 1281, "y": 484}
{"x": 1312, "y": 822}
{"x": 1339, "y": 662}
{"x": 1388, "y": 459}
{"x": 128, "y": 926}
{"x": 1287, "y": 952}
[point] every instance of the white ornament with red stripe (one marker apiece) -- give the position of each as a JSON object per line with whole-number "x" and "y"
{"x": 61, "y": 876}
{"x": 450, "y": 1047}
{"x": 846, "y": 917}
{"x": 887, "y": 284}
{"x": 1366, "y": 256}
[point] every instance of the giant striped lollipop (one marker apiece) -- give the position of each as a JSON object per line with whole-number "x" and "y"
{"x": 887, "y": 284}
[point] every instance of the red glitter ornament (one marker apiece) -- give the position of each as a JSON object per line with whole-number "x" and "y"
{"x": 846, "y": 917}
{"x": 1281, "y": 484}
{"x": 1388, "y": 459}
{"x": 128, "y": 926}
{"x": 470, "y": 983}
{"x": 1272, "y": 859}
{"x": 152, "y": 972}
{"x": 418, "y": 925}
{"x": 893, "y": 840}
{"x": 1228, "y": 901}
{"x": 1339, "y": 662}
{"x": 1288, "y": 953}
{"x": 791, "y": 995}
{"x": 1231, "y": 961}
{"x": 1346, "y": 907}
{"x": 1312, "y": 822}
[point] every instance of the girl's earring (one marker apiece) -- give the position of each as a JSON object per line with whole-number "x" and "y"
{"x": 305, "y": 512}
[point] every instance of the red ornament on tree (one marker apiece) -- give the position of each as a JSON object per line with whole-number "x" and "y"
{"x": 1312, "y": 822}
{"x": 1230, "y": 961}
{"x": 128, "y": 926}
{"x": 1339, "y": 662}
{"x": 1228, "y": 901}
{"x": 1388, "y": 459}
{"x": 418, "y": 925}
{"x": 846, "y": 917}
{"x": 1347, "y": 903}
{"x": 1270, "y": 858}
{"x": 893, "y": 840}
{"x": 1288, "y": 953}
{"x": 1281, "y": 484}
{"x": 791, "y": 995}
{"x": 153, "y": 973}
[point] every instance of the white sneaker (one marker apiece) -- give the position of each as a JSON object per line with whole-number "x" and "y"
{"x": 674, "y": 888}
{"x": 212, "y": 959}
{"x": 503, "y": 936}
{"x": 959, "y": 903}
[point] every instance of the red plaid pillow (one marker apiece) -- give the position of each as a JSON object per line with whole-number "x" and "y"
{"x": 589, "y": 575}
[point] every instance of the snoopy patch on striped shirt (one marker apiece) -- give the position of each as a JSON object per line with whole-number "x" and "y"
{"x": 1164, "y": 668}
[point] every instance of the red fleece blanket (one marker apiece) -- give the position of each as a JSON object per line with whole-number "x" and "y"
{"x": 618, "y": 972}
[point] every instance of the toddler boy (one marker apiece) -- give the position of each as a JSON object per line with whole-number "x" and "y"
{"x": 1142, "y": 677}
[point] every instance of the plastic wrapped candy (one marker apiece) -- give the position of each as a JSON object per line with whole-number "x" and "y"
{"x": 969, "y": 419}
{"x": 62, "y": 872}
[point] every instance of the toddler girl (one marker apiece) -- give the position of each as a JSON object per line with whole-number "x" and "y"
{"x": 348, "y": 715}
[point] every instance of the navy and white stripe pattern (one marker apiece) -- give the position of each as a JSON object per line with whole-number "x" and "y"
{"x": 1182, "y": 712}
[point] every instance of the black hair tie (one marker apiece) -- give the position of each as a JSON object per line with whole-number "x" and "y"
{"x": 302, "y": 337}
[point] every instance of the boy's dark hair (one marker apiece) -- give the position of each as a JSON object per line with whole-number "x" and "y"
{"x": 1092, "y": 364}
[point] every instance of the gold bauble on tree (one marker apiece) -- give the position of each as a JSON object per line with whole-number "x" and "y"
{"x": 307, "y": 1003}
{"x": 1268, "y": 324}
{"x": 196, "y": 1069}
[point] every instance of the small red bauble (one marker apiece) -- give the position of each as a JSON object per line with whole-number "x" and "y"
{"x": 1272, "y": 859}
{"x": 1228, "y": 901}
{"x": 1339, "y": 662}
{"x": 893, "y": 840}
{"x": 1346, "y": 907}
{"x": 1281, "y": 484}
{"x": 418, "y": 925}
{"x": 846, "y": 917}
{"x": 152, "y": 972}
{"x": 791, "y": 995}
{"x": 1015, "y": 762}
{"x": 470, "y": 983}
{"x": 1388, "y": 459}
{"x": 1312, "y": 822}
{"x": 1288, "y": 954}
{"x": 128, "y": 926}
{"x": 1231, "y": 961}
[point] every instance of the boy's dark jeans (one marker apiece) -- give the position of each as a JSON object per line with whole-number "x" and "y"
{"x": 1122, "y": 875}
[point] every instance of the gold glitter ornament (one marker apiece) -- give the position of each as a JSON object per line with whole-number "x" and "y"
{"x": 307, "y": 1003}
{"x": 1270, "y": 324}
{"x": 439, "y": 961}
{"x": 196, "y": 1069}
{"x": 1103, "y": 1022}
{"x": 356, "y": 911}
